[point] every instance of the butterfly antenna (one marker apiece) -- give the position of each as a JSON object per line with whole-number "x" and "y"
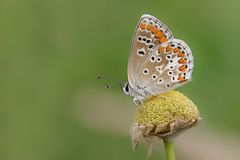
{"x": 110, "y": 85}
{"x": 111, "y": 78}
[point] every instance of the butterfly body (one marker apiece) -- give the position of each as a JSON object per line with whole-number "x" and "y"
{"x": 138, "y": 93}
{"x": 157, "y": 62}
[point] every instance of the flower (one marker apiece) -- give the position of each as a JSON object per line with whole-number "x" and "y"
{"x": 163, "y": 116}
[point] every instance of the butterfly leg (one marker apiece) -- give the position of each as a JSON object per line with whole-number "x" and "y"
{"x": 153, "y": 94}
{"x": 150, "y": 92}
{"x": 137, "y": 101}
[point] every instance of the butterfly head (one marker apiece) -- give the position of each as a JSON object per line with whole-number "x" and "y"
{"x": 126, "y": 88}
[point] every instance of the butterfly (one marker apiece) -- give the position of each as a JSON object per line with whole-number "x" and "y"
{"x": 158, "y": 62}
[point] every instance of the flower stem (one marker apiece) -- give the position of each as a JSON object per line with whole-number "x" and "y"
{"x": 169, "y": 149}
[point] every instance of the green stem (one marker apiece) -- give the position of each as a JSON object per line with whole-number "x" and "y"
{"x": 169, "y": 149}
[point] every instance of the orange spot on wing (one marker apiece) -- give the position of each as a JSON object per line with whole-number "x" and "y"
{"x": 182, "y": 68}
{"x": 180, "y": 54}
{"x": 160, "y": 49}
{"x": 180, "y": 77}
{"x": 168, "y": 48}
{"x": 175, "y": 50}
{"x": 183, "y": 61}
{"x": 163, "y": 39}
{"x": 148, "y": 27}
{"x": 154, "y": 29}
{"x": 143, "y": 26}
{"x": 158, "y": 34}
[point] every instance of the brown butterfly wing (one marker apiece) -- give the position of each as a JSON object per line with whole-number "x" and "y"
{"x": 170, "y": 65}
{"x": 149, "y": 34}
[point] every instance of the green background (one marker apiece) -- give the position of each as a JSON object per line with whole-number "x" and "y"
{"x": 52, "y": 50}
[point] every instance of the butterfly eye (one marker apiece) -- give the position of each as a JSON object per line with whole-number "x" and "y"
{"x": 126, "y": 89}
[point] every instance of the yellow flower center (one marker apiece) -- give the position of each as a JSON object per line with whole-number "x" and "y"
{"x": 166, "y": 108}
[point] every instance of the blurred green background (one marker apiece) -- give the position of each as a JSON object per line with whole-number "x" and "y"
{"x": 52, "y": 50}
